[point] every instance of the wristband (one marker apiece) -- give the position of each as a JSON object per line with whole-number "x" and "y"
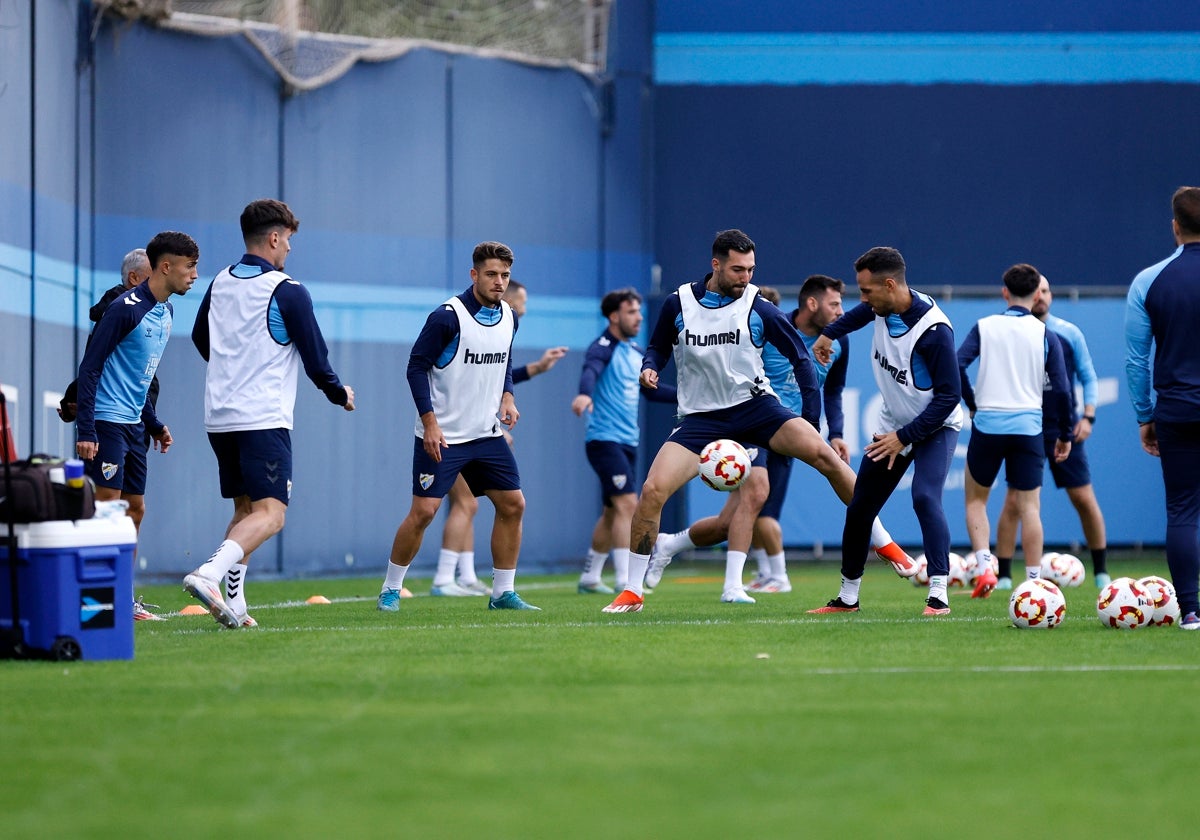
{"x": 1090, "y": 418}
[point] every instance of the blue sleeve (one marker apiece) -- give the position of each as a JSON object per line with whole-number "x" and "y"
{"x": 855, "y": 319}
{"x": 779, "y": 332}
{"x": 599, "y": 354}
{"x": 1060, "y": 385}
{"x": 519, "y": 375}
{"x": 296, "y": 309}
{"x": 1139, "y": 345}
{"x": 661, "y": 394}
{"x": 666, "y": 333}
{"x": 1085, "y": 370}
{"x": 835, "y": 383}
{"x": 108, "y": 334}
{"x": 968, "y": 352}
{"x": 439, "y": 332}
{"x": 200, "y": 336}
{"x": 936, "y": 349}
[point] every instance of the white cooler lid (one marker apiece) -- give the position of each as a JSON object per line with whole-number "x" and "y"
{"x": 78, "y": 534}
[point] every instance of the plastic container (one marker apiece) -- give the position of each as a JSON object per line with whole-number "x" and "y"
{"x": 75, "y": 587}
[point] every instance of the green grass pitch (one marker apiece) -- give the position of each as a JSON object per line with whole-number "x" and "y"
{"x": 693, "y": 719}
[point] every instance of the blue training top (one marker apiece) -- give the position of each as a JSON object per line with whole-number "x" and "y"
{"x": 610, "y": 377}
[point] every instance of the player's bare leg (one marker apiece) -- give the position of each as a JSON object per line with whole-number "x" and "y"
{"x": 798, "y": 439}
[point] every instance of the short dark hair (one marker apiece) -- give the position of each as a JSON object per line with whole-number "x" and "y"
{"x": 770, "y": 293}
{"x": 1185, "y": 204}
{"x": 171, "y": 242}
{"x": 817, "y": 285}
{"x": 262, "y": 216}
{"x": 513, "y": 287}
{"x": 485, "y": 251}
{"x": 612, "y": 301}
{"x": 1022, "y": 280}
{"x": 881, "y": 260}
{"x": 732, "y": 240}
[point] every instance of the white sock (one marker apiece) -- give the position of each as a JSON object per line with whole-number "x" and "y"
{"x": 447, "y": 564}
{"x": 1033, "y": 572}
{"x": 778, "y": 566}
{"x": 735, "y": 565}
{"x": 223, "y": 559}
{"x": 672, "y": 544}
{"x": 848, "y": 594}
{"x": 466, "y": 567}
{"x": 879, "y": 535}
{"x": 638, "y": 563}
{"x": 759, "y": 556}
{"x": 620, "y": 558}
{"x": 937, "y": 587}
{"x": 593, "y": 566}
{"x": 235, "y": 592}
{"x": 503, "y": 580}
{"x": 394, "y": 578}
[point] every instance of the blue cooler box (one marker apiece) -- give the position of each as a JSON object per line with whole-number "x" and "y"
{"x": 74, "y": 586}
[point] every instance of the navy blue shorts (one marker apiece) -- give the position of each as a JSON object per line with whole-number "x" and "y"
{"x": 1071, "y": 473}
{"x": 485, "y": 464}
{"x": 120, "y": 462}
{"x": 752, "y": 423}
{"x": 779, "y": 472}
{"x": 256, "y": 463}
{"x": 615, "y": 464}
{"x": 1022, "y": 456}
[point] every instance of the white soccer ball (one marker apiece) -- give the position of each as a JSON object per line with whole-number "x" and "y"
{"x": 1050, "y": 567}
{"x": 972, "y": 563}
{"x": 960, "y": 571}
{"x": 1037, "y": 604}
{"x": 1125, "y": 605}
{"x": 1070, "y": 570}
{"x": 724, "y": 464}
{"x": 921, "y": 575}
{"x": 1162, "y": 597}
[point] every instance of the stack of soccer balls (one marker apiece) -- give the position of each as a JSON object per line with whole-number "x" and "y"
{"x": 1129, "y": 604}
{"x": 963, "y": 570}
{"x": 724, "y": 464}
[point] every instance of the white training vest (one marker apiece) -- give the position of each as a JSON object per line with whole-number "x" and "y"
{"x": 467, "y": 391}
{"x": 251, "y": 378}
{"x": 1012, "y": 363}
{"x": 717, "y": 364}
{"x": 891, "y": 358}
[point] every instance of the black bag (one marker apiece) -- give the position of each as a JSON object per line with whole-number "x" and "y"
{"x": 35, "y": 498}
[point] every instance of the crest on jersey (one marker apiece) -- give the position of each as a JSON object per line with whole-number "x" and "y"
{"x": 108, "y": 470}
{"x": 619, "y": 482}
{"x": 752, "y": 451}
{"x": 425, "y": 479}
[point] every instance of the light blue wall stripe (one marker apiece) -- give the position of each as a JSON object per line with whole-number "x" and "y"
{"x": 347, "y": 312}
{"x": 926, "y": 58}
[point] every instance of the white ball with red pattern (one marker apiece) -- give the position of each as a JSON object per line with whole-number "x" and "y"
{"x": 1037, "y": 604}
{"x": 1123, "y": 604}
{"x": 724, "y": 465}
{"x": 1162, "y": 596}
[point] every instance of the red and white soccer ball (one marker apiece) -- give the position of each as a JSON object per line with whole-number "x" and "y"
{"x": 1051, "y": 568}
{"x": 961, "y": 570}
{"x": 724, "y": 464}
{"x": 1162, "y": 597}
{"x": 1125, "y": 605}
{"x": 1070, "y": 570}
{"x": 971, "y": 561}
{"x": 1037, "y": 604}
{"x": 921, "y": 575}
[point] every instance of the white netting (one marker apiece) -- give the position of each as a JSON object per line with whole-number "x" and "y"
{"x": 312, "y": 42}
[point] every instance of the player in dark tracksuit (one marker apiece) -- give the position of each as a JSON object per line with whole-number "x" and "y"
{"x": 1161, "y": 313}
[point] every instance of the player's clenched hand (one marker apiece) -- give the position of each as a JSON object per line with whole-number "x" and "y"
{"x": 822, "y": 349}
{"x": 163, "y": 440}
{"x": 349, "y": 406}
{"x": 508, "y": 410}
{"x": 580, "y": 404}
{"x": 649, "y": 378}
{"x": 432, "y": 439}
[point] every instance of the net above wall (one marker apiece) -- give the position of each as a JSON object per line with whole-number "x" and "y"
{"x": 313, "y": 42}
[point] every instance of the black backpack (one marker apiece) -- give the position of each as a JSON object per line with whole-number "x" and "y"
{"x": 35, "y": 498}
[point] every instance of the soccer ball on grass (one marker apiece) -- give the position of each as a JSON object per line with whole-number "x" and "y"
{"x": 724, "y": 464}
{"x": 1162, "y": 597}
{"x": 1038, "y": 604}
{"x": 1125, "y": 605}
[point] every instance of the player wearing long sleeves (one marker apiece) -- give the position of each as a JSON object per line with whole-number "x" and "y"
{"x": 912, "y": 351}
{"x": 714, "y": 331}
{"x": 1017, "y": 357}
{"x": 255, "y": 328}
{"x": 114, "y": 415}
{"x": 608, "y": 400}
{"x": 1162, "y": 368}
{"x": 460, "y": 375}
{"x": 1074, "y": 473}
